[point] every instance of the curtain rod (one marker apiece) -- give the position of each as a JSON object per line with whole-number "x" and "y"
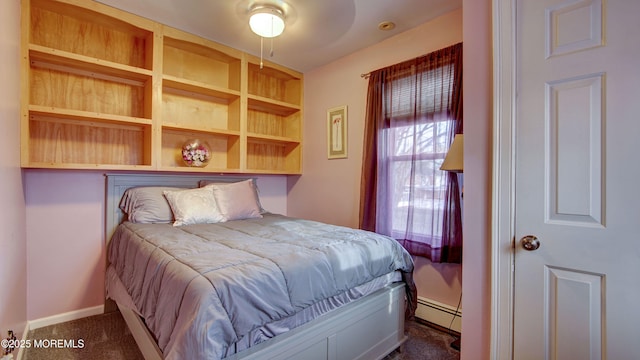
{"x": 367, "y": 75}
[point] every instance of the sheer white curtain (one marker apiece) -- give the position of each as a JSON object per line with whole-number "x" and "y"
{"x": 413, "y": 114}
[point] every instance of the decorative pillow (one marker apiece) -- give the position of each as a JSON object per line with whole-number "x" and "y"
{"x": 147, "y": 204}
{"x": 193, "y": 206}
{"x": 236, "y": 201}
{"x": 256, "y": 191}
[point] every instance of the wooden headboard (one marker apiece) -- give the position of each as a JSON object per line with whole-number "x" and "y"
{"x": 118, "y": 183}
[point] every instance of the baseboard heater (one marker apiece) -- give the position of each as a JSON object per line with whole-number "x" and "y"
{"x": 440, "y": 314}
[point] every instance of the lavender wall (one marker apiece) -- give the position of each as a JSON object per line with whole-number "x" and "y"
{"x": 478, "y": 113}
{"x": 13, "y": 267}
{"x": 65, "y": 222}
{"x": 329, "y": 190}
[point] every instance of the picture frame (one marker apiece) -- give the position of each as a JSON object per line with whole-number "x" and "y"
{"x": 337, "y": 132}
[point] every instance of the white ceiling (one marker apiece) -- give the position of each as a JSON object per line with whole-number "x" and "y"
{"x": 317, "y": 31}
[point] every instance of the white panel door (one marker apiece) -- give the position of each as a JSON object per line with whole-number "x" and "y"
{"x": 577, "y": 180}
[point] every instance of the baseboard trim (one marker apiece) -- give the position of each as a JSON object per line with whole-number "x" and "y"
{"x": 439, "y": 314}
{"x": 68, "y": 316}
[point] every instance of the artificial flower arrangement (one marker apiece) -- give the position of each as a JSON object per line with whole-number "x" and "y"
{"x": 195, "y": 153}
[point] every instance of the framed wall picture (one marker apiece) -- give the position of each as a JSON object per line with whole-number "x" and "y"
{"x": 337, "y": 132}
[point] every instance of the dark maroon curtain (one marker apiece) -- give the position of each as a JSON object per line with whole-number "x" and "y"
{"x": 414, "y": 110}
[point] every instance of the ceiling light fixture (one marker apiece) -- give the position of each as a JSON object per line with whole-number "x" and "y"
{"x": 267, "y": 21}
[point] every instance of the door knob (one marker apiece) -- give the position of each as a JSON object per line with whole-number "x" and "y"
{"x": 530, "y": 242}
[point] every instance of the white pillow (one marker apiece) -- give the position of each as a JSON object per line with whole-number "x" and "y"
{"x": 193, "y": 206}
{"x": 236, "y": 201}
{"x": 203, "y": 183}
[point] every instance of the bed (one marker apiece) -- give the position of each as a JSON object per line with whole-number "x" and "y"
{"x": 247, "y": 284}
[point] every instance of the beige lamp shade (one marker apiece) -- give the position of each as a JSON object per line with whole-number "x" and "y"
{"x": 454, "y": 161}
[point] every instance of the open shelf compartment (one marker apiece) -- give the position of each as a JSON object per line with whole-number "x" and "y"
{"x": 208, "y": 110}
{"x": 272, "y": 83}
{"x": 225, "y": 150}
{"x": 274, "y": 125}
{"x": 56, "y": 139}
{"x": 81, "y": 31}
{"x": 197, "y": 62}
{"x": 270, "y": 156}
{"x": 57, "y": 86}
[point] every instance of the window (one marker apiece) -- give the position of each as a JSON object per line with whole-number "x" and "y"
{"x": 417, "y": 184}
{"x": 413, "y": 113}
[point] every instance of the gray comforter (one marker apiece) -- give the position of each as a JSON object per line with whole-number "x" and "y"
{"x": 202, "y": 288}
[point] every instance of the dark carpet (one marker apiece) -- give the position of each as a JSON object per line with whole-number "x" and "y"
{"x": 425, "y": 342}
{"x": 106, "y": 336}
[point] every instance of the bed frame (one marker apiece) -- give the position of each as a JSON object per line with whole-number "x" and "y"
{"x": 368, "y": 328}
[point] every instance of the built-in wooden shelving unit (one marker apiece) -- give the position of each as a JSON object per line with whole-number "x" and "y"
{"x": 103, "y": 88}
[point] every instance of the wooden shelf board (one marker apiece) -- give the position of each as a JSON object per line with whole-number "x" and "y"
{"x": 222, "y": 132}
{"x": 38, "y": 112}
{"x": 183, "y": 85}
{"x": 264, "y": 104}
{"x": 273, "y": 70}
{"x": 272, "y": 172}
{"x": 205, "y": 169}
{"x": 60, "y": 60}
{"x": 269, "y": 139}
{"x": 82, "y": 166}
